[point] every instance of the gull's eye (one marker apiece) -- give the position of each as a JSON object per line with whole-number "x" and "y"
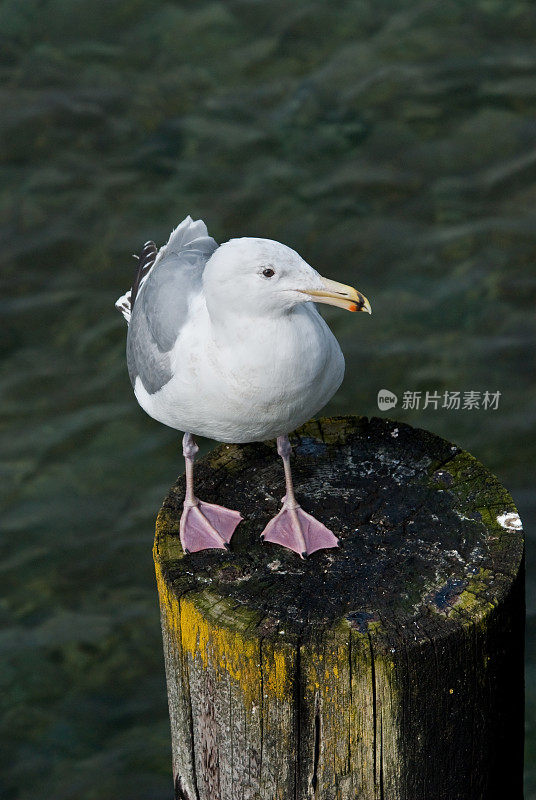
{"x": 268, "y": 273}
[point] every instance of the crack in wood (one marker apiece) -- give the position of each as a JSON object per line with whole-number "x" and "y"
{"x": 317, "y": 743}
{"x": 350, "y": 668}
{"x": 374, "y": 706}
{"x": 298, "y": 732}
{"x": 180, "y": 792}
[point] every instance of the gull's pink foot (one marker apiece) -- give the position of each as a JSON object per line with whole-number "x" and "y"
{"x": 205, "y": 525}
{"x": 299, "y": 531}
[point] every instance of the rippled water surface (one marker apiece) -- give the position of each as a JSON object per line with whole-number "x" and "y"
{"x": 392, "y": 144}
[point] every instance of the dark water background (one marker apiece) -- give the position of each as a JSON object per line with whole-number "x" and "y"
{"x": 393, "y": 144}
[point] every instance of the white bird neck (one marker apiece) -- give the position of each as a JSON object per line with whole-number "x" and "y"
{"x": 230, "y": 326}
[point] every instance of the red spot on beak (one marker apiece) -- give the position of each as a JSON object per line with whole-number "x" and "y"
{"x": 352, "y": 308}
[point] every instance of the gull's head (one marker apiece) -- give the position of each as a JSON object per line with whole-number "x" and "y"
{"x": 261, "y": 276}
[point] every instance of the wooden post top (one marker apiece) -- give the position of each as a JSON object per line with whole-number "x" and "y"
{"x": 429, "y": 538}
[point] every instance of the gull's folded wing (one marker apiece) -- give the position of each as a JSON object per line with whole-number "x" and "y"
{"x": 161, "y": 299}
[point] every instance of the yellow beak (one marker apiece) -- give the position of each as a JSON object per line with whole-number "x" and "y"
{"x": 337, "y": 294}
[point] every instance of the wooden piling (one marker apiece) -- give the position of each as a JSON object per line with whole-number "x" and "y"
{"x": 388, "y": 669}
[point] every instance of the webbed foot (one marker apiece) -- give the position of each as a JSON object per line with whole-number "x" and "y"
{"x": 297, "y": 530}
{"x": 206, "y": 525}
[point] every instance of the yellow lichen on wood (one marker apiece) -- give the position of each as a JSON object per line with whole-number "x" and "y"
{"x": 227, "y": 652}
{"x": 472, "y": 603}
{"x": 327, "y": 684}
{"x": 169, "y": 604}
{"x": 276, "y": 679}
{"x": 351, "y": 684}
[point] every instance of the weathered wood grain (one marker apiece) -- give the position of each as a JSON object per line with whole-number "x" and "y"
{"x": 389, "y": 669}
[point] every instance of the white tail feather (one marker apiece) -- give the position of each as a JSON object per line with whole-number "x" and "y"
{"x": 123, "y": 305}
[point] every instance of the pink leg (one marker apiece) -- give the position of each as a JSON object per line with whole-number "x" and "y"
{"x": 203, "y": 525}
{"x": 293, "y": 527}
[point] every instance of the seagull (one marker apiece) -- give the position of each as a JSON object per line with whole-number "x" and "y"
{"x": 226, "y": 342}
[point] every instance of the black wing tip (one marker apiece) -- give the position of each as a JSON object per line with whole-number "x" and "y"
{"x": 146, "y": 260}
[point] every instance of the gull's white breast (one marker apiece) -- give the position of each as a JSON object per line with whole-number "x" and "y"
{"x": 258, "y": 379}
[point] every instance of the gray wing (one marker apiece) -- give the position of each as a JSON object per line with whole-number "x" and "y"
{"x": 161, "y": 306}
